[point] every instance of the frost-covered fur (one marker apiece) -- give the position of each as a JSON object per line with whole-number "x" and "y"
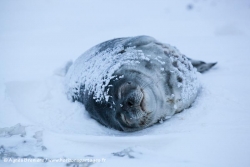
{"x": 166, "y": 77}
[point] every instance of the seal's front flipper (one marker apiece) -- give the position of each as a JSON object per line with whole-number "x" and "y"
{"x": 201, "y": 65}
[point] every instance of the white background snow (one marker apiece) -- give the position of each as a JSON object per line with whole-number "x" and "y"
{"x": 38, "y": 37}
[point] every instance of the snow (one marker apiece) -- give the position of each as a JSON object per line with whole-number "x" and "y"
{"x": 39, "y": 38}
{"x": 98, "y": 66}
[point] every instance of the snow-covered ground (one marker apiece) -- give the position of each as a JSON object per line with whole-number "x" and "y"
{"x": 37, "y": 121}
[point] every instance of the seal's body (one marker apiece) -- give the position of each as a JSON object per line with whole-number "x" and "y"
{"x": 132, "y": 83}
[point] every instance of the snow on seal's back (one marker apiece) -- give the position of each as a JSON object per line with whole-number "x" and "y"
{"x": 93, "y": 70}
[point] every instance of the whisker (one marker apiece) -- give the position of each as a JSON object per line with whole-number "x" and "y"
{"x": 138, "y": 114}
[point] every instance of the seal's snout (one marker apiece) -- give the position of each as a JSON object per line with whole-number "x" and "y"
{"x": 130, "y": 95}
{"x": 131, "y": 109}
{"x": 134, "y": 99}
{"x": 132, "y": 102}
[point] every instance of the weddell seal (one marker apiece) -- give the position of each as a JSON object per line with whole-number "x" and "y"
{"x": 132, "y": 83}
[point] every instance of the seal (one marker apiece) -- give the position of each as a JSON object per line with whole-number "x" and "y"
{"x": 132, "y": 83}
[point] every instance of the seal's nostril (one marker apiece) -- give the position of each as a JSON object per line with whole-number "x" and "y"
{"x": 134, "y": 99}
{"x": 130, "y": 103}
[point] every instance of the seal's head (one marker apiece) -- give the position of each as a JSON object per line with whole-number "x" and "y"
{"x": 133, "y": 101}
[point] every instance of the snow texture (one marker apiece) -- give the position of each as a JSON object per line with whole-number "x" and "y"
{"x": 37, "y": 121}
{"x": 95, "y": 68}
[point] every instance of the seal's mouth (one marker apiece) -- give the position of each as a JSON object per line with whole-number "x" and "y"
{"x": 126, "y": 120}
{"x": 130, "y": 124}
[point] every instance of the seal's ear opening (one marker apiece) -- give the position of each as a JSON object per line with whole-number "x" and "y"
{"x": 202, "y": 66}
